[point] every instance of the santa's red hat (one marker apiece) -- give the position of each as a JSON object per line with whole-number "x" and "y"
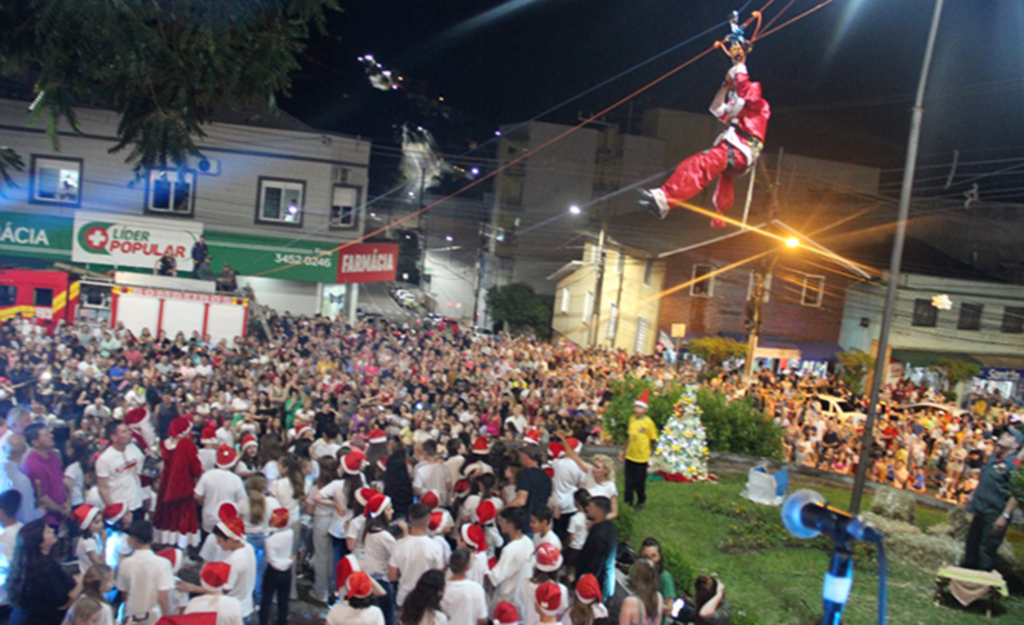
{"x": 226, "y": 457}
{"x": 279, "y": 518}
{"x": 359, "y": 585}
{"x": 376, "y": 436}
{"x": 114, "y": 512}
{"x": 346, "y": 567}
{"x": 364, "y": 495}
{"x": 548, "y": 470}
{"x": 532, "y": 437}
{"x": 461, "y": 487}
{"x": 485, "y": 512}
{"x": 505, "y": 614}
{"x": 555, "y": 450}
{"x": 588, "y": 589}
{"x": 179, "y": 427}
{"x": 134, "y": 417}
{"x": 430, "y": 500}
{"x": 214, "y": 575}
{"x": 376, "y": 505}
{"x": 84, "y": 515}
{"x": 575, "y": 444}
{"x": 353, "y": 462}
{"x": 174, "y": 556}
{"x": 229, "y": 522}
{"x": 196, "y": 618}
{"x": 248, "y": 440}
{"x": 474, "y": 536}
{"x": 208, "y": 435}
{"x": 302, "y": 429}
{"x": 549, "y": 597}
{"x": 481, "y": 446}
{"x": 439, "y": 519}
{"x": 549, "y": 557}
{"x": 643, "y": 399}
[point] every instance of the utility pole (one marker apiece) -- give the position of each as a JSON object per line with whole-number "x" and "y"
{"x": 753, "y": 311}
{"x": 881, "y": 362}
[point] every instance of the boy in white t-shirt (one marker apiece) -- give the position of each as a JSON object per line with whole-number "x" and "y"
{"x": 576, "y": 532}
{"x": 464, "y": 601}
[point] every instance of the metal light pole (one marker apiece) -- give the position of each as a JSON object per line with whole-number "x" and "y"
{"x": 881, "y": 362}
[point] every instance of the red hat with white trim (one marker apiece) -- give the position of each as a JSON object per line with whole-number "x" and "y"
{"x": 364, "y": 495}
{"x": 439, "y": 520}
{"x": 643, "y": 399}
{"x": 114, "y": 512}
{"x": 134, "y": 417}
{"x": 376, "y": 505}
{"x": 208, "y": 435}
{"x": 279, "y": 518}
{"x": 505, "y": 614}
{"x": 226, "y": 457}
{"x": 548, "y": 470}
{"x": 229, "y": 522}
{"x": 353, "y": 462}
{"x": 485, "y": 512}
{"x": 376, "y": 436}
{"x": 346, "y": 567}
{"x": 214, "y": 575}
{"x": 588, "y": 589}
{"x": 174, "y": 556}
{"x": 382, "y": 465}
{"x": 84, "y": 515}
{"x": 481, "y": 446}
{"x": 359, "y": 585}
{"x": 248, "y": 440}
{"x": 474, "y": 536}
{"x": 549, "y": 597}
{"x": 196, "y": 618}
{"x": 461, "y": 487}
{"x": 532, "y": 437}
{"x": 555, "y": 450}
{"x": 303, "y": 429}
{"x": 179, "y": 427}
{"x": 430, "y": 500}
{"x": 575, "y": 444}
{"x": 549, "y": 557}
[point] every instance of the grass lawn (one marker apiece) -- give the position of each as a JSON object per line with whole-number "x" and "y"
{"x": 782, "y": 586}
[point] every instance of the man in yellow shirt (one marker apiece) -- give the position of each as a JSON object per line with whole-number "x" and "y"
{"x": 642, "y": 432}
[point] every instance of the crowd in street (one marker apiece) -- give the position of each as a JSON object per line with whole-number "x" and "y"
{"x": 396, "y": 474}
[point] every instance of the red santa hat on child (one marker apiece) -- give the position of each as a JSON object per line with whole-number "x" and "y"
{"x": 430, "y": 499}
{"x": 481, "y": 446}
{"x": 279, "y": 518}
{"x": 248, "y": 440}
{"x": 353, "y": 462}
{"x": 134, "y": 417}
{"x": 364, "y": 495}
{"x": 461, "y": 487}
{"x": 588, "y": 589}
{"x": 359, "y": 585}
{"x": 346, "y": 567}
{"x": 376, "y": 505}
{"x": 226, "y": 457}
{"x": 485, "y": 512}
{"x": 214, "y": 575}
{"x": 549, "y": 598}
{"x": 549, "y": 557}
{"x": 575, "y": 444}
{"x": 532, "y": 437}
{"x": 84, "y": 515}
{"x": 474, "y": 536}
{"x": 439, "y": 520}
{"x": 179, "y": 427}
{"x": 555, "y": 450}
{"x": 377, "y": 436}
{"x": 229, "y": 522}
{"x": 174, "y": 556}
{"x": 643, "y": 399}
{"x": 114, "y": 512}
{"x": 208, "y": 435}
{"x": 505, "y": 614}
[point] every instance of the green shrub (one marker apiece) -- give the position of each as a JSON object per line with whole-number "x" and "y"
{"x": 625, "y": 523}
{"x": 624, "y": 392}
{"x": 683, "y": 573}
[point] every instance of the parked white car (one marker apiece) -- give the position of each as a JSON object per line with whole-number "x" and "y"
{"x": 839, "y": 408}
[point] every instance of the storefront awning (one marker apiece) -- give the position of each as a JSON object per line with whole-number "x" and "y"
{"x": 920, "y": 358}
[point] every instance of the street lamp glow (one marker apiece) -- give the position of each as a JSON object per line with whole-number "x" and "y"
{"x": 575, "y": 209}
{"x": 792, "y": 242}
{"x": 449, "y": 238}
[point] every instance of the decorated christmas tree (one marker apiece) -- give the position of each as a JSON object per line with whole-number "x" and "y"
{"x": 682, "y": 452}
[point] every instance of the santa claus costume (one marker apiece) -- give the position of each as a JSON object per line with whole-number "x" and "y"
{"x": 176, "y": 521}
{"x": 740, "y": 106}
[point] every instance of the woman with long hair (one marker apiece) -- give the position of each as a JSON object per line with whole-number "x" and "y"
{"x": 255, "y": 511}
{"x": 37, "y": 587}
{"x": 397, "y": 484}
{"x": 645, "y": 605}
{"x": 709, "y": 598}
{"x": 651, "y": 549}
{"x": 323, "y": 514}
{"x": 423, "y": 605}
{"x": 96, "y": 583}
{"x": 290, "y": 490}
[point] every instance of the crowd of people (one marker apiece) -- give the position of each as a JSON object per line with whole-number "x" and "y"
{"x": 406, "y": 475}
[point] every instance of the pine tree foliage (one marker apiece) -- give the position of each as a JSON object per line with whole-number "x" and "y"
{"x": 682, "y": 445}
{"x": 164, "y": 65}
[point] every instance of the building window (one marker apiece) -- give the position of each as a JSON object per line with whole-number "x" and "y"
{"x": 171, "y": 192}
{"x": 1013, "y": 320}
{"x": 767, "y": 287}
{"x": 8, "y": 295}
{"x": 56, "y": 181}
{"x": 702, "y": 284}
{"x": 648, "y": 272}
{"x": 344, "y": 206}
{"x": 813, "y": 292}
{"x": 925, "y": 315}
{"x": 280, "y": 201}
{"x": 566, "y": 294}
{"x": 970, "y": 317}
{"x": 641, "y": 335}
{"x": 588, "y": 307}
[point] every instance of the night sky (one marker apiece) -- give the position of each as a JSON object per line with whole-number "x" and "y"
{"x": 841, "y": 82}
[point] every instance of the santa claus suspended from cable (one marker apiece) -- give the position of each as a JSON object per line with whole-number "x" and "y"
{"x": 739, "y": 105}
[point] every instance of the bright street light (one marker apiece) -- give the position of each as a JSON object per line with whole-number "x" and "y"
{"x": 575, "y": 209}
{"x": 449, "y": 238}
{"x": 792, "y": 242}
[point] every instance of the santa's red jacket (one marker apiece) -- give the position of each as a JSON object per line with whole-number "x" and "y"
{"x": 745, "y": 114}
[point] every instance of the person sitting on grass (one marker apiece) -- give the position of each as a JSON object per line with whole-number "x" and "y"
{"x": 712, "y": 608}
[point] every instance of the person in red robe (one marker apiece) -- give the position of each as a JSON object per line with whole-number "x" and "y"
{"x": 177, "y": 519}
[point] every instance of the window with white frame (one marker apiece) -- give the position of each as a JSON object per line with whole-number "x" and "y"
{"x": 813, "y": 291}
{"x": 56, "y": 181}
{"x": 171, "y": 192}
{"x": 588, "y": 307}
{"x": 641, "y": 335}
{"x": 280, "y": 201}
{"x": 344, "y": 206}
{"x": 767, "y": 286}
{"x": 701, "y": 283}
{"x": 564, "y": 306}
{"x": 648, "y": 272}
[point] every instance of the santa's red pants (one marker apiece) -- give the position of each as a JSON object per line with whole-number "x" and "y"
{"x": 696, "y": 172}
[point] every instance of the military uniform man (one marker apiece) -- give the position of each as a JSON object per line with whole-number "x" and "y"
{"x": 992, "y": 505}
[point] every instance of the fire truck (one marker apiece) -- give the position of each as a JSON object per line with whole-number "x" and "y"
{"x": 136, "y": 300}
